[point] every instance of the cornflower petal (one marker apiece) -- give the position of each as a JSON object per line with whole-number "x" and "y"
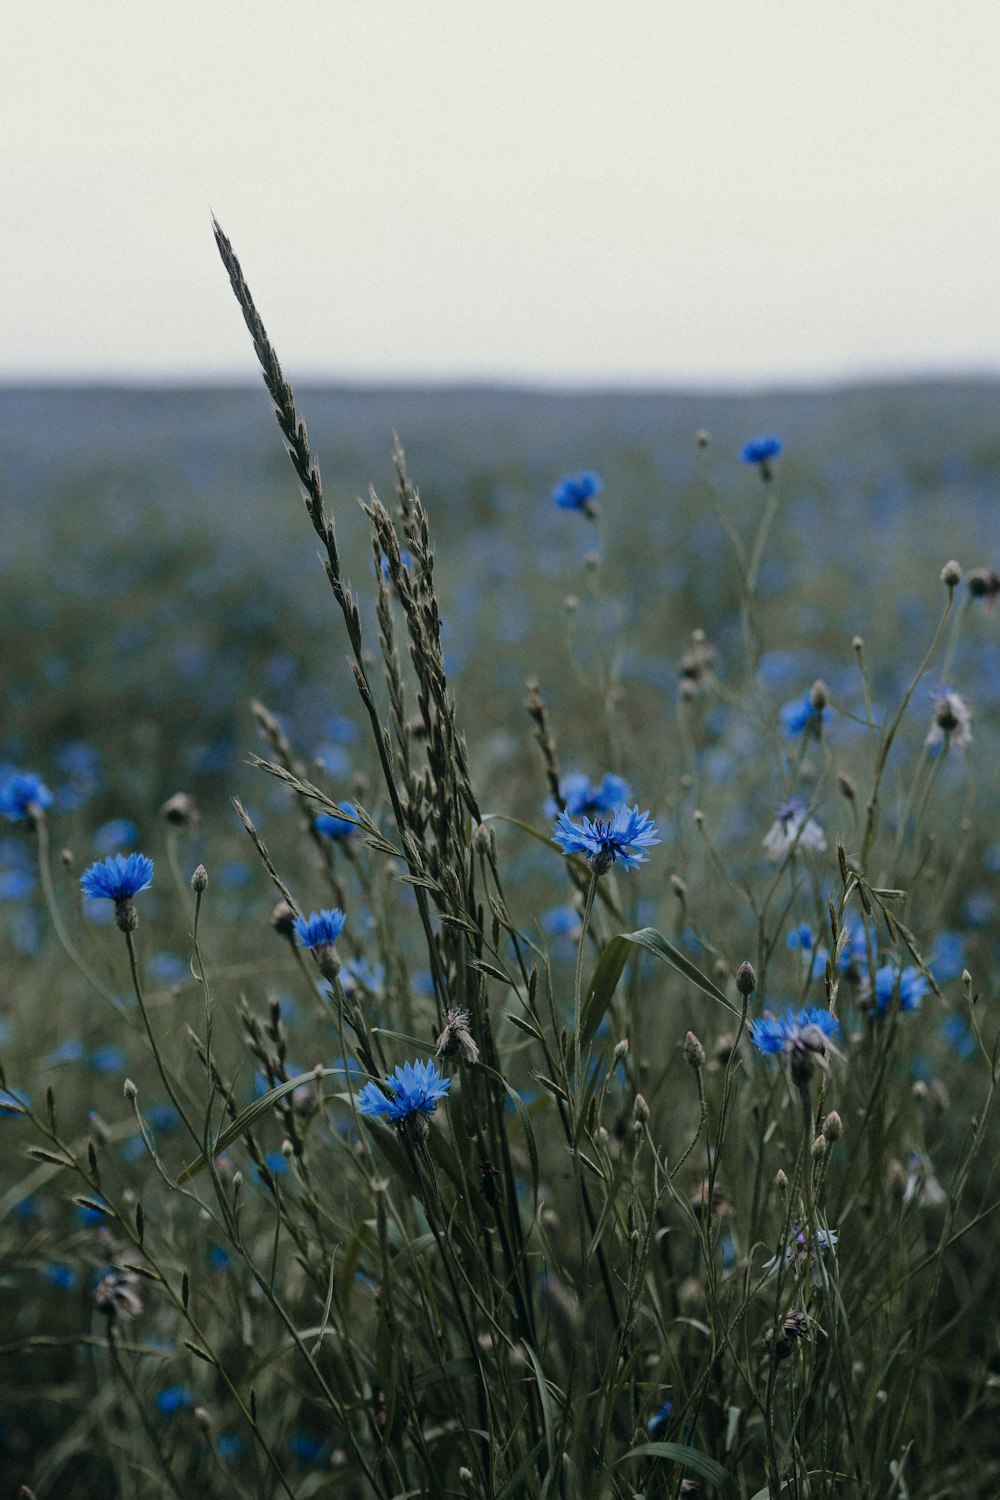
{"x": 118, "y": 878}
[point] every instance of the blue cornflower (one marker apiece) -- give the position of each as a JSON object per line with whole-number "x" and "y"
{"x": 172, "y": 1398}
{"x": 306, "y": 1447}
{"x": 814, "y": 953}
{"x": 660, "y": 1417}
{"x": 853, "y": 959}
{"x": 909, "y": 982}
{"x": 583, "y": 798}
{"x": 622, "y": 838}
{"x": 57, "y": 1273}
{"x": 359, "y": 974}
{"x": 23, "y": 795}
{"x": 337, "y": 828}
{"x": 113, "y": 834}
{"x": 802, "y": 1036}
{"x": 957, "y": 1033}
{"x": 320, "y": 929}
{"x": 108, "y": 1060}
{"x": 947, "y": 957}
{"x": 760, "y": 450}
{"x": 578, "y": 492}
{"x": 414, "y": 1089}
{"x": 119, "y": 878}
{"x": 802, "y": 716}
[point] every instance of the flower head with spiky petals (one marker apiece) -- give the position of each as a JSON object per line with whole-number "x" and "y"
{"x": 801, "y": 1036}
{"x": 320, "y": 929}
{"x": 620, "y": 840}
{"x": 582, "y": 796}
{"x": 578, "y": 492}
{"x": 909, "y": 983}
{"x": 335, "y": 828}
{"x": 23, "y": 795}
{"x": 414, "y": 1089}
{"x": 118, "y": 878}
{"x": 760, "y": 450}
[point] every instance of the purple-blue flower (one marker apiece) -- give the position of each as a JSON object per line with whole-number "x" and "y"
{"x": 578, "y": 492}
{"x": 910, "y": 983}
{"x": 337, "y": 828}
{"x": 22, "y": 794}
{"x": 320, "y": 929}
{"x": 621, "y": 839}
{"x": 802, "y": 716}
{"x": 802, "y": 1037}
{"x": 582, "y": 797}
{"x": 761, "y": 449}
{"x": 171, "y": 1398}
{"x": 414, "y": 1089}
{"x": 118, "y": 878}
{"x": 660, "y": 1418}
{"x": 947, "y": 957}
{"x": 957, "y": 1033}
{"x": 775, "y": 1033}
{"x": 853, "y": 960}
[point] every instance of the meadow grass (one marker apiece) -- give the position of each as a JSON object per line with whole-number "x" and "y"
{"x": 578, "y": 1086}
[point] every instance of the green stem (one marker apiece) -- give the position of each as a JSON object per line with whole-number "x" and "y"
{"x": 578, "y": 983}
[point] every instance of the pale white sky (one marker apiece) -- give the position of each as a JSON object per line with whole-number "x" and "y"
{"x": 606, "y": 191}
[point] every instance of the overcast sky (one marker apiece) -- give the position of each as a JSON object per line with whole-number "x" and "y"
{"x": 599, "y": 192}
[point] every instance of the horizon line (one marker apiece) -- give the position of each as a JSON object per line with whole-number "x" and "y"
{"x": 510, "y": 384}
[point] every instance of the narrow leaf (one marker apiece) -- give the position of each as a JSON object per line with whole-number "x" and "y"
{"x": 689, "y": 1458}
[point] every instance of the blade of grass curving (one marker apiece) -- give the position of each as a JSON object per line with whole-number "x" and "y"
{"x": 612, "y": 961}
{"x": 689, "y": 1458}
{"x": 248, "y": 1117}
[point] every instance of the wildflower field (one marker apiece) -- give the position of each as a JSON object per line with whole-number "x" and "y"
{"x": 505, "y": 1007}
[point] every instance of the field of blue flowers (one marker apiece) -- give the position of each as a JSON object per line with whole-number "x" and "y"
{"x": 581, "y": 1081}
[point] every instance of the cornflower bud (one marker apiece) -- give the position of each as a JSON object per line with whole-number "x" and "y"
{"x": 833, "y": 1127}
{"x": 951, "y": 574}
{"x": 181, "y": 811}
{"x": 694, "y": 1052}
{"x": 640, "y": 1110}
{"x": 199, "y": 880}
{"x": 746, "y": 979}
{"x": 283, "y": 920}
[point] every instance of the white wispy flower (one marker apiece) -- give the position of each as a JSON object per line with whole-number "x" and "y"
{"x": 793, "y": 825}
{"x": 952, "y": 721}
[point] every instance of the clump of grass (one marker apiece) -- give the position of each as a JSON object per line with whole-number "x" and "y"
{"x": 668, "y": 1197}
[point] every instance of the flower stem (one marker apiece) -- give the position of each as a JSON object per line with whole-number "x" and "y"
{"x": 578, "y": 983}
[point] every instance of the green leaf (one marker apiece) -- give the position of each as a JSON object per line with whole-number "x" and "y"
{"x": 689, "y": 1458}
{"x": 529, "y": 1135}
{"x": 662, "y": 948}
{"x": 612, "y": 961}
{"x": 248, "y": 1117}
